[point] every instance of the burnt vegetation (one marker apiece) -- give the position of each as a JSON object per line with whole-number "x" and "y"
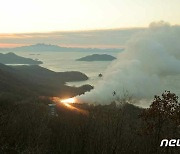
{"x": 27, "y": 127}
{"x": 119, "y": 128}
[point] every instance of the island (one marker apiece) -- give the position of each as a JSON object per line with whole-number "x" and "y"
{"x": 41, "y": 47}
{"x": 12, "y": 58}
{"x": 97, "y": 57}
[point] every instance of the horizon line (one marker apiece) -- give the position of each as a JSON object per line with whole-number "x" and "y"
{"x": 63, "y": 46}
{"x": 74, "y": 31}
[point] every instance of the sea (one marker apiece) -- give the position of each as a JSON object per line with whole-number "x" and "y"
{"x": 67, "y": 61}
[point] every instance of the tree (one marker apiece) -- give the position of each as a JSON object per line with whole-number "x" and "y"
{"x": 162, "y": 119}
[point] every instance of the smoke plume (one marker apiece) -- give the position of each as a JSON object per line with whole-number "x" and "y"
{"x": 149, "y": 65}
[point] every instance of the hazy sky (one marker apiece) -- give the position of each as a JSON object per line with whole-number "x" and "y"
{"x": 20, "y": 16}
{"x": 97, "y": 39}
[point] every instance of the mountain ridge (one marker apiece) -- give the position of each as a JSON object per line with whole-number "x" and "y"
{"x": 36, "y": 80}
{"x": 56, "y": 48}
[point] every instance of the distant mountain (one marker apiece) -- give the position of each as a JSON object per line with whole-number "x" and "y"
{"x": 97, "y": 57}
{"x": 11, "y": 58}
{"x": 48, "y": 47}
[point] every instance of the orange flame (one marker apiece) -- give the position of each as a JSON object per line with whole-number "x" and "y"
{"x": 68, "y": 103}
{"x": 69, "y": 100}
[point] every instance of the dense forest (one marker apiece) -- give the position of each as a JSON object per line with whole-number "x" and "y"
{"x": 27, "y": 127}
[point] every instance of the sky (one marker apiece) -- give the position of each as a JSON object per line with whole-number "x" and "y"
{"x": 45, "y": 16}
{"x": 115, "y": 38}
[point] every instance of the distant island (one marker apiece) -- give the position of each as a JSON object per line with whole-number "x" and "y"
{"x": 55, "y": 48}
{"x": 97, "y": 57}
{"x": 11, "y": 58}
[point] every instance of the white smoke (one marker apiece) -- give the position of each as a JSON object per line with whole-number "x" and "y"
{"x": 149, "y": 65}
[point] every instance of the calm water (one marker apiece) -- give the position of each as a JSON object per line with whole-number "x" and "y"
{"x": 66, "y": 61}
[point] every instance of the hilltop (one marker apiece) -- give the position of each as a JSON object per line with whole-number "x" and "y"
{"x": 38, "y": 81}
{"x": 11, "y": 58}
